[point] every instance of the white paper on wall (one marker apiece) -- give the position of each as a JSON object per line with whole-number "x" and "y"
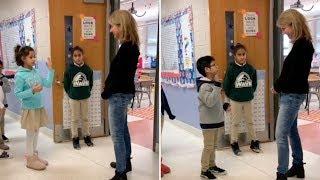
{"x": 28, "y": 31}
{"x": 9, "y": 39}
{"x": 169, "y": 49}
{"x": 258, "y": 108}
{"x": 94, "y": 105}
{"x": 19, "y": 29}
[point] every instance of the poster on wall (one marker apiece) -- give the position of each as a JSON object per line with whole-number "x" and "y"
{"x": 177, "y": 47}
{"x": 250, "y": 24}
{"x": 88, "y": 27}
{"x": 258, "y": 108}
{"x": 20, "y": 29}
{"x": 94, "y": 105}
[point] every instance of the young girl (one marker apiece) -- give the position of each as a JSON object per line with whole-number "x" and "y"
{"x": 28, "y": 87}
{"x": 239, "y": 85}
{"x": 78, "y": 82}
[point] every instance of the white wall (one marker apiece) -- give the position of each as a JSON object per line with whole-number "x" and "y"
{"x": 201, "y": 25}
{"x": 11, "y": 8}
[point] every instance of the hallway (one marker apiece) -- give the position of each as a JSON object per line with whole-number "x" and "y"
{"x": 65, "y": 163}
{"x": 182, "y": 149}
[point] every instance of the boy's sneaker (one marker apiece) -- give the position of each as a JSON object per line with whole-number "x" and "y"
{"x": 255, "y": 146}
{"x": 207, "y": 174}
{"x": 5, "y": 139}
{"x": 76, "y": 143}
{"x": 217, "y": 171}
{"x": 5, "y": 155}
{"x": 87, "y": 140}
{"x": 235, "y": 148}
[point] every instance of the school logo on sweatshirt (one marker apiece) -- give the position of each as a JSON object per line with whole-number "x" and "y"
{"x": 243, "y": 80}
{"x": 80, "y": 80}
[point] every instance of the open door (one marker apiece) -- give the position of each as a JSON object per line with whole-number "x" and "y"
{"x": 66, "y": 19}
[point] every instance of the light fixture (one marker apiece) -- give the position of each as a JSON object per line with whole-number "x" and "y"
{"x": 299, "y": 5}
{"x": 132, "y": 10}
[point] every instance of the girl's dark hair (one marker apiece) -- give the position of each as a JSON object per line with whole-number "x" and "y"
{"x": 236, "y": 47}
{"x": 76, "y": 48}
{"x": 21, "y": 52}
{"x": 202, "y": 63}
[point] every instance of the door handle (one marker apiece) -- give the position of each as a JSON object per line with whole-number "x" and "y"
{"x": 59, "y": 83}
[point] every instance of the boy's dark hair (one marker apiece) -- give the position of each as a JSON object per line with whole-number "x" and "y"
{"x": 21, "y": 52}
{"x": 238, "y": 46}
{"x": 76, "y": 48}
{"x": 1, "y": 64}
{"x": 204, "y": 62}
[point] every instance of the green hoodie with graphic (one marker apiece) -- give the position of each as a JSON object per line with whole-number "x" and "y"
{"x": 78, "y": 81}
{"x": 240, "y": 82}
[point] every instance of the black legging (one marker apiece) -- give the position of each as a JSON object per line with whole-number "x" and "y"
{"x": 164, "y": 104}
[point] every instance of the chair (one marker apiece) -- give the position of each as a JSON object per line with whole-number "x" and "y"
{"x": 314, "y": 88}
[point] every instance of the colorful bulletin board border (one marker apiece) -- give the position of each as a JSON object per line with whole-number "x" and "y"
{"x": 185, "y": 75}
{"x": 18, "y": 21}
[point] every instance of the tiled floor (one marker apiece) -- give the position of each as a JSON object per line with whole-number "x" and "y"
{"x": 181, "y": 150}
{"x": 65, "y": 163}
{"x": 141, "y": 124}
{"x": 314, "y": 115}
{"x": 309, "y": 127}
{"x": 310, "y": 137}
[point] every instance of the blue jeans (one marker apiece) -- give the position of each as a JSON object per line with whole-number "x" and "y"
{"x": 118, "y": 104}
{"x": 287, "y": 127}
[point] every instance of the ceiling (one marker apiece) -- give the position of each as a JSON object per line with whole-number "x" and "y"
{"x": 307, "y": 5}
{"x": 150, "y": 6}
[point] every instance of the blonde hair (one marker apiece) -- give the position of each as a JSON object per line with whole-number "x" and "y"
{"x": 297, "y": 21}
{"x": 127, "y": 24}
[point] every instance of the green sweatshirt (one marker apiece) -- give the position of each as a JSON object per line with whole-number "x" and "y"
{"x": 240, "y": 82}
{"x": 78, "y": 81}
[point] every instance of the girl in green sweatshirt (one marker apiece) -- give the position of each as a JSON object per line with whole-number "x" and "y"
{"x": 239, "y": 85}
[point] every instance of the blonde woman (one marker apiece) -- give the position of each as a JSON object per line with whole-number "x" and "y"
{"x": 292, "y": 85}
{"x": 119, "y": 87}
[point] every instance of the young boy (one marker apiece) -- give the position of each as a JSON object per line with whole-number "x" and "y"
{"x": 4, "y": 82}
{"x": 78, "y": 82}
{"x": 211, "y": 114}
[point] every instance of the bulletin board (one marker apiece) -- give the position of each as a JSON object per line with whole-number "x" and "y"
{"x": 177, "y": 47}
{"x": 258, "y": 108}
{"x": 20, "y": 29}
{"x": 94, "y": 114}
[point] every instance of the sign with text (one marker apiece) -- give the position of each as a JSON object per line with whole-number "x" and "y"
{"x": 250, "y": 24}
{"x": 88, "y": 26}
